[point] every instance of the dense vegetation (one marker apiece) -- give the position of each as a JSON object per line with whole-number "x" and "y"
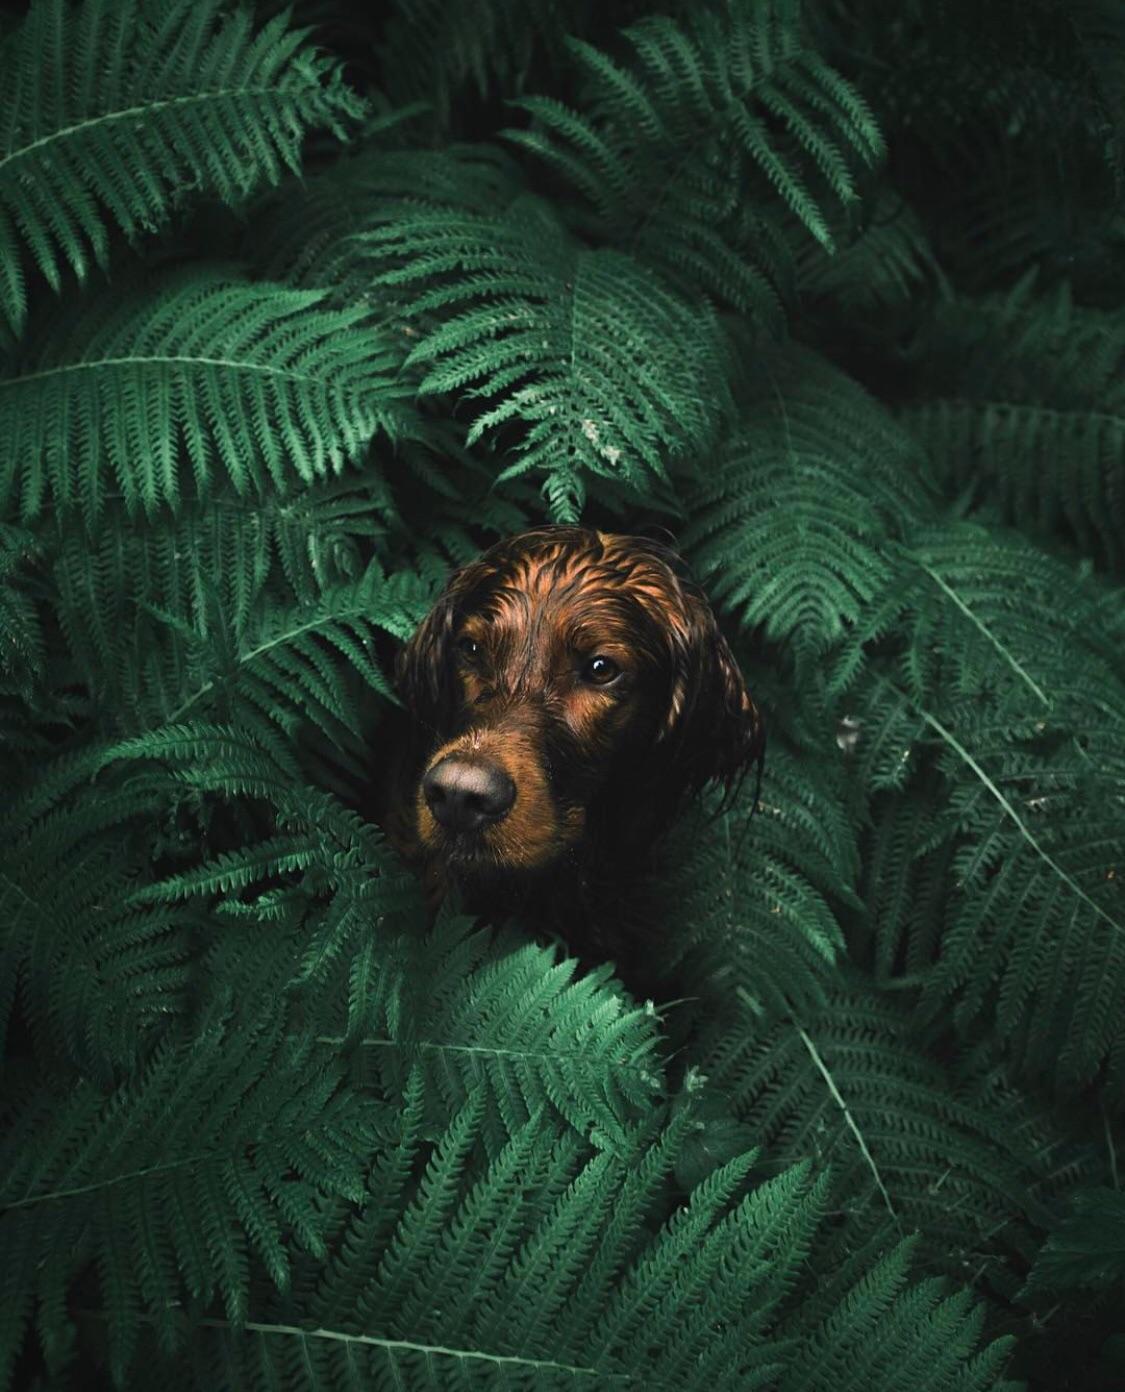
{"x": 299, "y": 309}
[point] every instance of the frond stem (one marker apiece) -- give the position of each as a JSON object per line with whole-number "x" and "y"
{"x": 1008, "y": 657}
{"x": 856, "y": 1132}
{"x": 143, "y": 112}
{"x": 1025, "y": 831}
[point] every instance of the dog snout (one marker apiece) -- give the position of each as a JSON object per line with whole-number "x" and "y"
{"x": 467, "y": 794}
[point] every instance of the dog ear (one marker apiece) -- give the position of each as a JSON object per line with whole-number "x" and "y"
{"x": 713, "y": 731}
{"x": 424, "y": 671}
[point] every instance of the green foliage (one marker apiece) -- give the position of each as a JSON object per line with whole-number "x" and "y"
{"x": 1014, "y": 383}
{"x": 136, "y": 384}
{"x": 733, "y": 100}
{"x": 294, "y": 320}
{"x": 1087, "y": 1250}
{"x": 1004, "y": 682}
{"x": 433, "y": 50}
{"x": 791, "y": 523}
{"x": 21, "y": 639}
{"x": 518, "y": 1030}
{"x": 544, "y": 1273}
{"x": 113, "y": 108}
{"x": 756, "y": 901}
{"x": 911, "y": 1146}
{"x": 220, "y": 1149}
{"x": 604, "y": 367}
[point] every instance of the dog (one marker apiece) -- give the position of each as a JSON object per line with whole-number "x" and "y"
{"x": 565, "y": 697}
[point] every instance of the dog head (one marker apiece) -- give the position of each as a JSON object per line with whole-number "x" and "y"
{"x": 569, "y": 686}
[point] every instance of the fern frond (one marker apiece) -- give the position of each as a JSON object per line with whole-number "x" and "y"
{"x": 1009, "y": 453}
{"x": 602, "y": 368}
{"x": 113, "y": 109}
{"x": 1002, "y": 681}
{"x": 512, "y": 1024}
{"x": 1087, "y": 1249}
{"x": 290, "y": 665}
{"x": 481, "y": 1284}
{"x": 753, "y": 903}
{"x": 848, "y": 1084}
{"x": 1020, "y": 406}
{"x": 305, "y": 233}
{"x": 158, "y": 642}
{"x": 791, "y": 529}
{"x": 172, "y": 1181}
{"x": 886, "y": 1336}
{"x": 906, "y": 882}
{"x": 22, "y": 650}
{"x": 89, "y": 972}
{"x": 323, "y": 863}
{"x": 262, "y": 380}
{"x": 436, "y": 51}
{"x": 684, "y": 148}
{"x": 153, "y": 615}
{"x": 883, "y": 266}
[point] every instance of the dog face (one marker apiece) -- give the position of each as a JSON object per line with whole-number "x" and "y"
{"x": 568, "y": 686}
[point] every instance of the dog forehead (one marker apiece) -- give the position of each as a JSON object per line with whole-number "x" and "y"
{"x": 570, "y": 588}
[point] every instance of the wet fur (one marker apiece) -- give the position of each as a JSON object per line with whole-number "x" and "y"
{"x": 599, "y": 772}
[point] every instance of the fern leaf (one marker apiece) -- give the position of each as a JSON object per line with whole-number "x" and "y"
{"x": 882, "y": 266}
{"x": 1002, "y": 678}
{"x": 756, "y": 902}
{"x": 492, "y": 1258}
{"x": 517, "y": 1028}
{"x": 790, "y": 530}
{"x": 22, "y": 651}
{"x": 263, "y": 380}
{"x": 849, "y": 1085}
{"x": 1087, "y": 1249}
{"x": 152, "y": 1164}
{"x": 697, "y": 115}
{"x": 113, "y": 109}
{"x": 1020, "y": 405}
{"x": 93, "y": 973}
{"x": 605, "y": 370}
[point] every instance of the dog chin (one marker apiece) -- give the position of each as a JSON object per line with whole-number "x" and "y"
{"x": 476, "y": 869}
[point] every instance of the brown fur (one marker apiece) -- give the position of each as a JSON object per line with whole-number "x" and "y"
{"x": 599, "y": 771}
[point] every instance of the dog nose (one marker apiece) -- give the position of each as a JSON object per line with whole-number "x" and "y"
{"x": 465, "y": 795}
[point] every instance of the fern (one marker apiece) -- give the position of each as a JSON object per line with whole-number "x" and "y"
{"x": 137, "y": 379}
{"x": 159, "y": 642}
{"x": 22, "y": 650}
{"x": 323, "y": 872}
{"x": 1022, "y": 408}
{"x": 98, "y": 954}
{"x": 910, "y": 1147}
{"x": 753, "y": 903}
{"x": 90, "y": 971}
{"x": 141, "y": 101}
{"x": 884, "y": 265}
{"x": 606, "y": 370}
{"x": 791, "y": 527}
{"x": 309, "y": 231}
{"x": 907, "y": 882}
{"x": 487, "y": 1284}
{"x": 513, "y": 1027}
{"x": 673, "y": 142}
{"x": 266, "y": 1122}
{"x": 171, "y": 1207}
{"x": 885, "y": 1335}
{"x": 1087, "y": 1249}
{"x": 998, "y": 639}
{"x": 436, "y": 51}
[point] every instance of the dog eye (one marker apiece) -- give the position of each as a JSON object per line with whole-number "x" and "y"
{"x": 468, "y": 647}
{"x": 601, "y": 671}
